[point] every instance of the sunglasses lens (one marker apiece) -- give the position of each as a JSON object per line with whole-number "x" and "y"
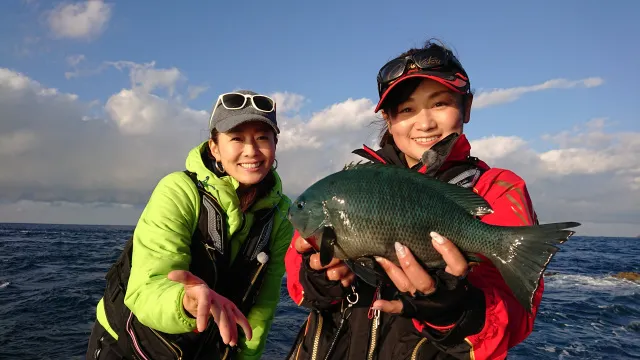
{"x": 392, "y": 70}
{"x": 263, "y": 103}
{"x": 233, "y": 101}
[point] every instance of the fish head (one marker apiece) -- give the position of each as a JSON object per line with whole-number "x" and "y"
{"x": 307, "y": 215}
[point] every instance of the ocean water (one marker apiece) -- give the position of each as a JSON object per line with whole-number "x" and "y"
{"x": 52, "y": 276}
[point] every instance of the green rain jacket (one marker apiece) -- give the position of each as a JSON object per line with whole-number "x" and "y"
{"x": 161, "y": 243}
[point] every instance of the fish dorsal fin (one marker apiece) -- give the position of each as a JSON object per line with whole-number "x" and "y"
{"x": 473, "y": 203}
{"x": 352, "y": 165}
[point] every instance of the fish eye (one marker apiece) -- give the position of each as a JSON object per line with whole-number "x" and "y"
{"x": 300, "y": 205}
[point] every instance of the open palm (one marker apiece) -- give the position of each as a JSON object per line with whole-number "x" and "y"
{"x": 200, "y": 301}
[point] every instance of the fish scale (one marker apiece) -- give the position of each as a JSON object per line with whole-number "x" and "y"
{"x": 368, "y": 232}
{"x": 361, "y": 211}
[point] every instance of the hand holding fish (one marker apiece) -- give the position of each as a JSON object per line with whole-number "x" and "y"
{"x": 336, "y": 270}
{"x": 201, "y": 302}
{"x": 412, "y": 278}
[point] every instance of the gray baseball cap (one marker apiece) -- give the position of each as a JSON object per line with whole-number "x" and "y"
{"x": 224, "y": 119}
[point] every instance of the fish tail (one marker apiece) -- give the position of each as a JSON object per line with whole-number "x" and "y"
{"x": 524, "y": 253}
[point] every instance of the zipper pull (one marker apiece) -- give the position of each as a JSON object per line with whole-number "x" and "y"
{"x": 377, "y": 312}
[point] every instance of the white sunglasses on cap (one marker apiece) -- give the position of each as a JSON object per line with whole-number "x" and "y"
{"x": 236, "y": 101}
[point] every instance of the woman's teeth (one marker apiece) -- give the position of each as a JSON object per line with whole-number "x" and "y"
{"x": 251, "y": 165}
{"x": 425, "y": 140}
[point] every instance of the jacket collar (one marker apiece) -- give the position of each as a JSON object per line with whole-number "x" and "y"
{"x": 454, "y": 148}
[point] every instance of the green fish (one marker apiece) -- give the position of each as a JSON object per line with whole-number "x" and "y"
{"x": 361, "y": 211}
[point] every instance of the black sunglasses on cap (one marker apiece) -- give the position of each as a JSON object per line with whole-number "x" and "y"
{"x": 433, "y": 62}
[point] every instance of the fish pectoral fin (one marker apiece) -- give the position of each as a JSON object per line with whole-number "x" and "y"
{"x": 327, "y": 245}
{"x": 367, "y": 269}
{"x": 473, "y": 259}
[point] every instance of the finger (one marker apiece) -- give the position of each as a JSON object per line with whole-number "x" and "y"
{"x": 418, "y": 276}
{"x": 456, "y": 263}
{"x": 233, "y": 329}
{"x": 202, "y": 312}
{"x": 314, "y": 262}
{"x": 396, "y": 275}
{"x": 391, "y": 307}
{"x": 338, "y": 272}
{"x": 224, "y": 327}
{"x": 184, "y": 277}
{"x": 243, "y": 322}
{"x": 346, "y": 282}
{"x": 302, "y": 245}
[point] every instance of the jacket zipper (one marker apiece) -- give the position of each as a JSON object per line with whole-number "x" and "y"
{"x": 374, "y": 334}
{"x": 175, "y": 349}
{"x": 136, "y": 346}
{"x": 374, "y": 326}
{"x": 316, "y": 340}
{"x": 414, "y": 354}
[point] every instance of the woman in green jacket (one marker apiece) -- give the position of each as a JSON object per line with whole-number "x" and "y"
{"x": 201, "y": 276}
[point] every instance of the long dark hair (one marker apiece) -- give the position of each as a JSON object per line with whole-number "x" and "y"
{"x": 248, "y": 195}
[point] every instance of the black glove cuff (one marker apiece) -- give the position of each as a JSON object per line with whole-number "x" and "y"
{"x": 442, "y": 307}
{"x": 319, "y": 292}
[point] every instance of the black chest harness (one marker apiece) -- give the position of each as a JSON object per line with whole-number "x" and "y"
{"x": 239, "y": 280}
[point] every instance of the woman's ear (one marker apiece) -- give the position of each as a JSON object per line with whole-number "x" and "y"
{"x": 467, "y": 108}
{"x": 386, "y": 118}
{"x": 213, "y": 147}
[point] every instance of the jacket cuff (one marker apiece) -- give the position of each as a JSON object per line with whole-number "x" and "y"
{"x": 319, "y": 292}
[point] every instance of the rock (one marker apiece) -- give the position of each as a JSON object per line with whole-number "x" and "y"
{"x": 628, "y": 276}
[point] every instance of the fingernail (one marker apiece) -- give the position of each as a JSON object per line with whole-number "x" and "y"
{"x": 437, "y": 237}
{"x": 400, "y": 249}
{"x": 378, "y": 258}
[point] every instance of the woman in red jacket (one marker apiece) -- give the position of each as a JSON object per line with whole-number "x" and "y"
{"x": 463, "y": 312}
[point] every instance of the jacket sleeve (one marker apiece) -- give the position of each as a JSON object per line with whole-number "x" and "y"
{"x": 488, "y": 332}
{"x": 292, "y": 263}
{"x": 161, "y": 243}
{"x": 307, "y": 287}
{"x": 262, "y": 313}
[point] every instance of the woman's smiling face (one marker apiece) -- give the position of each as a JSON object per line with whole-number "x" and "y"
{"x": 246, "y": 152}
{"x": 431, "y": 113}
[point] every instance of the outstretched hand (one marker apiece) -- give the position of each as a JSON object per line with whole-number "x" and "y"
{"x": 200, "y": 301}
{"x": 411, "y": 277}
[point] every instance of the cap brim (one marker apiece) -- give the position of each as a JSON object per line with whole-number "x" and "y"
{"x": 450, "y": 84}
{"x": 233, "y": 121}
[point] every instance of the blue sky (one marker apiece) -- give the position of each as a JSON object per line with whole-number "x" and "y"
{"x": 329, "y": 52}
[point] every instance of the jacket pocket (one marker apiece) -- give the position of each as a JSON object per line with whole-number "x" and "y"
{"x": 150, "y": 344}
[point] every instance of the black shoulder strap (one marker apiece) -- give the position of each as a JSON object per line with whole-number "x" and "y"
{"x": 211, "y": 225}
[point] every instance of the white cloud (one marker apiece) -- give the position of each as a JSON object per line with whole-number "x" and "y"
{"x": 501, "y": 96}
{"x": 77, "y": 154}
{"x": 195, "y": 91}
{"x": 80, "y": 20}
{"x": 288, "y": 102}
{"x": 74, "y": 60}
{"x": 148, "y": 78}
{"x": 595, "y": 182}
